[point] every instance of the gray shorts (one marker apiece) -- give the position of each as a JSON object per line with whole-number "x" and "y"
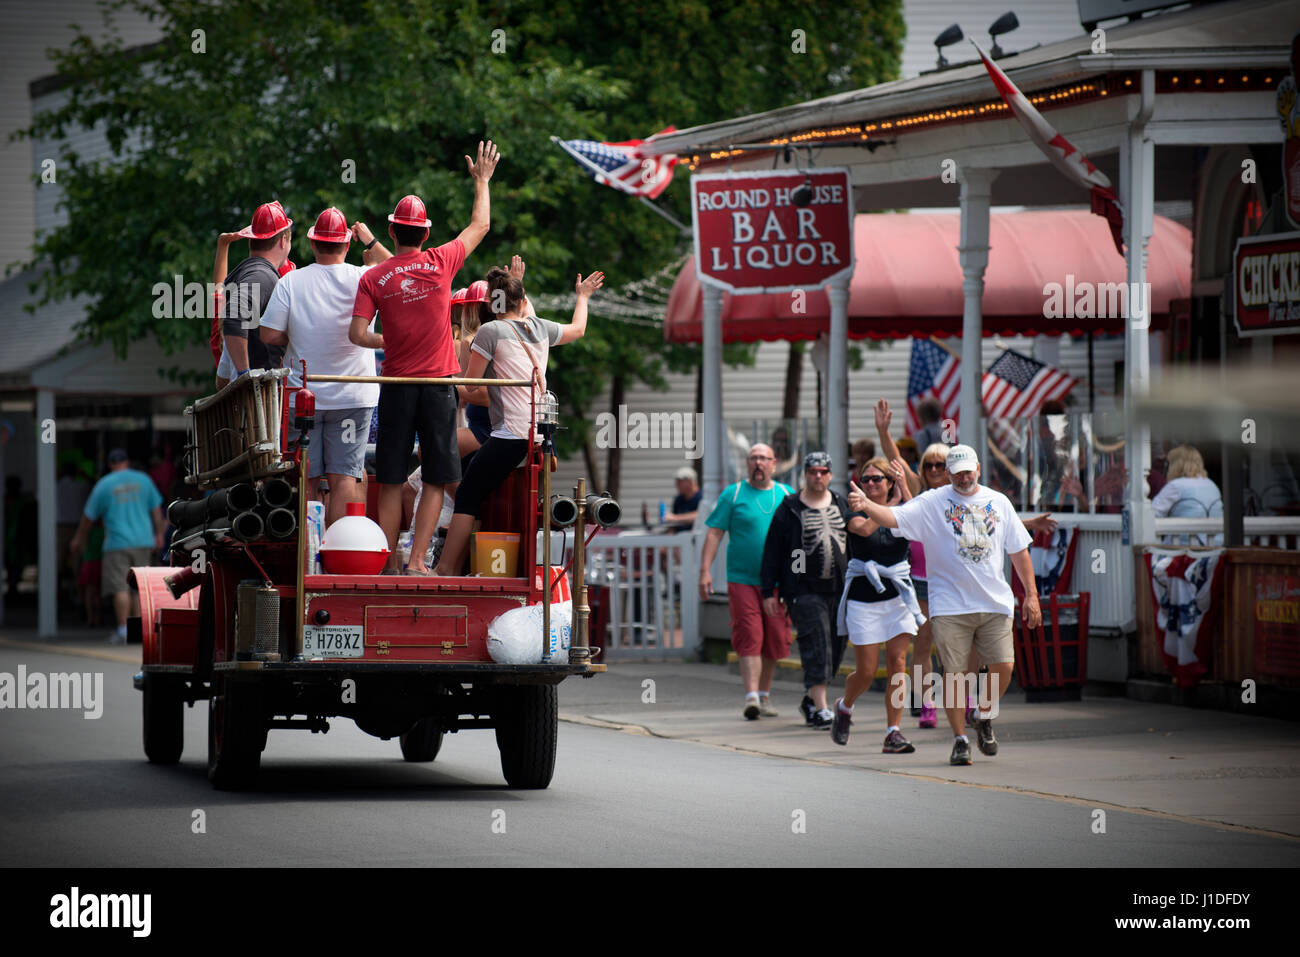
{"x": 338, "y": 442}
{"x": 117, "y": 563}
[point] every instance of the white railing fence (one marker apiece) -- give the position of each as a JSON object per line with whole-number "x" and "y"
{"x": 643, "y": 589}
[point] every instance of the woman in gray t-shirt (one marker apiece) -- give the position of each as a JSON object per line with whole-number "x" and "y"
{"x": 511, "y": 343}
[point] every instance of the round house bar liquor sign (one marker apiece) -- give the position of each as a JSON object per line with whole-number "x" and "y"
{"x": 1266, "y": 281}
{"x": 772, "y": 231}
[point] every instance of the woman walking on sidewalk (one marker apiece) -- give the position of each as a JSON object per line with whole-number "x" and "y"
{"x": 878, "y": 606}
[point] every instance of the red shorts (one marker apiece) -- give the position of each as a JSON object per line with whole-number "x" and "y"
{"x": 753, "y": 631}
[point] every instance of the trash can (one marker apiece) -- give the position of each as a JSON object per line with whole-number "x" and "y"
{"x": 1052, "y": 659}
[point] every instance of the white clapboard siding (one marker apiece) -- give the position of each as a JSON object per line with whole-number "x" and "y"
{"x": 757, "y": 393}
{"x": 1041, "y": 22}
{"x": 30, "y": 30}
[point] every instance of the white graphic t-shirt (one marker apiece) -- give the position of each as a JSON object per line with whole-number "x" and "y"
{"x": 965, "y": 539}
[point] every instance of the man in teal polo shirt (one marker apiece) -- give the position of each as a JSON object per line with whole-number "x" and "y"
{"x": 131, "y": 508}
{"x": 745, "y": 510}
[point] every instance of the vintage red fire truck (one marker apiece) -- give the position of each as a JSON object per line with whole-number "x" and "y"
{"x": 244, "y": 619}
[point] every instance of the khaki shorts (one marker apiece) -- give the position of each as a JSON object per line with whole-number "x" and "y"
{"x": 117, "y": 563}
{"x": 990, "y": 634}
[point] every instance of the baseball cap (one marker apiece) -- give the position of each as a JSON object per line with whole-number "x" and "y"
{"x": 331, "y": 227}
{"x": 816, "y": 460}
{"x": 409, "y": 212}
{"x": 686, "y": 472}
{"x": 117, "y": 455}
{"x": 961, "y": 458}
{"x": 268, "y": 219}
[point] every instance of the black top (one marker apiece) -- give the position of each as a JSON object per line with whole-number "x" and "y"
{"x": 248, "y": 290}
{"x": 883, "y": 548}
{"x": 804, "y": 549}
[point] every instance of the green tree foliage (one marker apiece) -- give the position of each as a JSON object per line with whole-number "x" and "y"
{"x": 287, "y": 94}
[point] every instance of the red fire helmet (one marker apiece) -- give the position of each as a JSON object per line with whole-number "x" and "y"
{"x": 268, "y": 219}
{"x": 331, "y": 227}
{"x": 477, "y": 292}
{"x": 409, "y": 212}
{"x": 457, "y": 297}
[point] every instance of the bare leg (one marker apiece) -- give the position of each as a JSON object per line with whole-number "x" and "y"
{"x": 864, "y": 672}
{"x": 765, "y": 675}
{"x": 453, "y": 552}
{"x": 122, "y": 607}
{"x": 750, "y": 671}
{"x": 896, "y": 665}
{"x": 343, "y": 489}
{"x": 426, "y": 516}
{"x": 390, "y": 516}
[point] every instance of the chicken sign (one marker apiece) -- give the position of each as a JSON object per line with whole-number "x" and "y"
{"x": 772, "y": 231}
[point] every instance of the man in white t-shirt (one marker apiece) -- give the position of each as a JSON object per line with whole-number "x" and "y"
{"x": 966, "y": 528}
{"x": 310, "y": 311}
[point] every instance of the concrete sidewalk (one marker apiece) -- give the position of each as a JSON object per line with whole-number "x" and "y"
{"x": 1227, "y": 770}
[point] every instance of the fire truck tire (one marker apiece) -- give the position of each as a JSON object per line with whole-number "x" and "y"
{"x": 236, "y": 734}
{"x": 526, "y": 725}
{"x": 164, "y": 721}
{"x": 423, "y": 741}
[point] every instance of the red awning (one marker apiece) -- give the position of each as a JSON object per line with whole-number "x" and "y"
{"x": 907, "y": 281}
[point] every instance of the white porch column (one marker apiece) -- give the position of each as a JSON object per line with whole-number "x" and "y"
{"x": 974, "y": 249}
{"x": 714, "y": 427}
{"x": 46, "y": 540}
{"x": 1138, "y": 193}
{"x": 711, "y": 463}
{"x": 837, "y": 385}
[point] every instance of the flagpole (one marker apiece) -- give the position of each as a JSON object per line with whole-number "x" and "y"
{"x": 682, "y": 228}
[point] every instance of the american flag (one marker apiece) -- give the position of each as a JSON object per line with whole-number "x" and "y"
{"x": 622, "y": 165}
{"x": 1017, "y": 385}
{"x": 933, "y": 372}
{"x": 1060, "y": 152}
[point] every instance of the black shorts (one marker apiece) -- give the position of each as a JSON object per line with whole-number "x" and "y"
{"x": 488, "y": 468}
{"x": 406, "y": 411}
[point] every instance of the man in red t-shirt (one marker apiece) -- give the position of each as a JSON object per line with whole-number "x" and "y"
{"x": 411, "y": 292}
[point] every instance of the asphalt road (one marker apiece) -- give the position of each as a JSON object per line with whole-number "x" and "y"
{"x": 79, "y": 792}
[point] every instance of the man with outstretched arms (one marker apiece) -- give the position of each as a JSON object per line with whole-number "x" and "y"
{"x": 966, "y": 529}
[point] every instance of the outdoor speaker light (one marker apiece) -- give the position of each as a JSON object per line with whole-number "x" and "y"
{"x": 946, "y": 39}
{"x": 1003, "y": 24}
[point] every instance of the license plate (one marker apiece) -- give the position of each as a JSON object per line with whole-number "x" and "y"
{"x": 320, "y": 641}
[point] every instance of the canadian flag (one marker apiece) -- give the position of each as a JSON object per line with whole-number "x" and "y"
{"x": 1060, "y": 152}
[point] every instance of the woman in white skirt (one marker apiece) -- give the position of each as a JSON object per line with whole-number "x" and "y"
{"x": 878, "y": 606}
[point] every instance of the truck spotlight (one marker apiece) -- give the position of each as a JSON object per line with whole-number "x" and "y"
{"x": 564, "y": 511}
{"x": 603, "y": 510}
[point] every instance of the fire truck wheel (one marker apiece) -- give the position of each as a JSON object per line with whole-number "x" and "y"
{"x": 236, "y": 734}
{"x": 423, "y": 741}
{"x": 526, "y": 722}
{"x": 164, "y": 720}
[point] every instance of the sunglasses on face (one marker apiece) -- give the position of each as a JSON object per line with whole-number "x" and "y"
{"x": 874, "y": 478}
{"x": 934, "y": 466}
{"x": 819, "y": 471}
